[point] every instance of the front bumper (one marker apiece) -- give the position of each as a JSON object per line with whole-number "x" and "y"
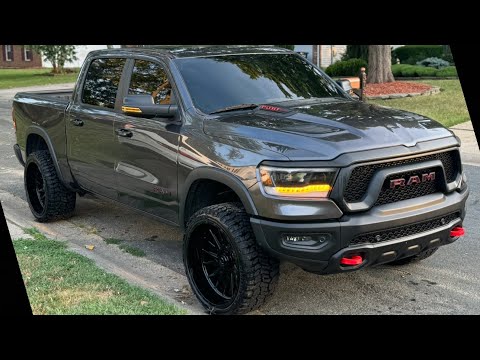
{"x": 324, "y": 257}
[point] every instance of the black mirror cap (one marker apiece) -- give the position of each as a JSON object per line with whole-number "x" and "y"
{"x": 143, "y": 105}
{"x": 345, "y": 85}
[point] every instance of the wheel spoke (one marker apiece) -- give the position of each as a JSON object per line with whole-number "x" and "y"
{"x": 212, "y": 244}
{"x": 215, "y": 239}
{"x": 232, "y": 282}
{"x": 212, "y": 254}
{"x": 215, "y": 273}
{"x": 208, "y": 262}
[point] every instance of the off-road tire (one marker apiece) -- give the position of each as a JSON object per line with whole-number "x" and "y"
{"x": 411, "y": 259}
{"x": 257, "y": 271}
{"x": 59, "y": 202}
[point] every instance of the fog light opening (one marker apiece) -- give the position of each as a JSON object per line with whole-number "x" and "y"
{"x": 352, "y": 260}
{"x": 310, "y": 240}
{"x": 457, "y": 232}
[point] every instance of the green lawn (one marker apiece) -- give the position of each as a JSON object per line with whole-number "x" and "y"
{"x": 59, "y": 281}
{"x": 448, "y": 107}
{"x": 11, "y": 78}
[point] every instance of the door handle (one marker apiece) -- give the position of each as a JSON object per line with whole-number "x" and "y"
{"x": 124, "y": 133}
{"x": 77, "y": 122}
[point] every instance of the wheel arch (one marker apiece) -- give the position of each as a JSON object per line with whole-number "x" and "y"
{"x": 35, "y": 136}
{"x": 209, "y": 174}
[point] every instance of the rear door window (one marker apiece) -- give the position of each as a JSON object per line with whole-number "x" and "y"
{"x": 102, "y": 81}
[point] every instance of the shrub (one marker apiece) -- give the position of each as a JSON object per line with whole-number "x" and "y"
{"x": 410, "y": 71}
{"x": 405, "y": 70}
{"x": 434, "y": 63}
{"x": 449, "y": 71}
{"x": 346, "y": 68}
{"x": 397, "y": 69}
{"x": 425, "y": 71}
{"x": 411, "y": 54}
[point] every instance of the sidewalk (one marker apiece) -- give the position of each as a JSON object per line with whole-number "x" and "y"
{"x": 469, "y": 149}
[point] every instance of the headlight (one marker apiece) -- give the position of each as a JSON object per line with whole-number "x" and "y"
{"x": 297, "y": 183}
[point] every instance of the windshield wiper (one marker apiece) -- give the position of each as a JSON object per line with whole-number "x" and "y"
{"x": 235, "y": 107}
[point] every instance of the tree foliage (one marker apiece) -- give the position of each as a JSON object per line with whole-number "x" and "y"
{"x": 356, "y": 52}
{"x": 58, "y": 55}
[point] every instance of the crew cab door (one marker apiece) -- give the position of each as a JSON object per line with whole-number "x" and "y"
{"x": 146, "y": 166}
{"x": 89, "y": 124}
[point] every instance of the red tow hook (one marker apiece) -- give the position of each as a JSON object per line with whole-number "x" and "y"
{"x": 351, "y": 260}
{"x": 457, "y": 232}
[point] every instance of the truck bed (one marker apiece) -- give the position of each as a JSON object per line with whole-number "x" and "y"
{"x": 59, "y": 96}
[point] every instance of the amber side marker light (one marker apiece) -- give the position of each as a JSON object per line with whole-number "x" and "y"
{"x": 127, "y": 109}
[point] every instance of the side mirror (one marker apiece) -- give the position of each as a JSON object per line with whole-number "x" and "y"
{"x": 345, "y": 85}
{"x": 144, "y": 106}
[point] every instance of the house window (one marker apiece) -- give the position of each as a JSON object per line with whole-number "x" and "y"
{"x": 8, "y": 52}
{"x": 27, "y": 53}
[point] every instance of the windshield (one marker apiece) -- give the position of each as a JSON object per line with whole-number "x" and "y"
{"x": 219, "y": 82}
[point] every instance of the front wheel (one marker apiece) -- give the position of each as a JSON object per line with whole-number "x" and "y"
{"x": 226, "y": 268}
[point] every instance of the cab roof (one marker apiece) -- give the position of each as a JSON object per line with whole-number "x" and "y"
{"x": 196, "y": 51}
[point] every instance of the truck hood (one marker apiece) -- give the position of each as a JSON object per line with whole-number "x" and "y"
{"x": 325, "y": 130}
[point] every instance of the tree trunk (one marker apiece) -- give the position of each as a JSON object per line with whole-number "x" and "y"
{"x": 379, "y": 64}
{"x": 54, "y": 66}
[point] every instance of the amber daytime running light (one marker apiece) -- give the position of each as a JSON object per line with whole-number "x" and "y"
{"x": 298, "y": 183}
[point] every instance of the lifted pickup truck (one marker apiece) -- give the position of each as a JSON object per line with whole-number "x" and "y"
{"x": 255, "y": 153}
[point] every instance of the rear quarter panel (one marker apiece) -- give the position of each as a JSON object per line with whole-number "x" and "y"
{"x": 35, "y": 114}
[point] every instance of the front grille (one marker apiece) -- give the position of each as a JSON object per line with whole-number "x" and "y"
{"x": 403, "y": 231}
{"x": 362, "y": 175}
{"x": 389, "y": 195}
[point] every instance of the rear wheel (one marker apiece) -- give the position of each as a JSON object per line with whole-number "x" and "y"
{"x": 226, "y": 268}
{"x": 411, "y": 259}
{"x": 47, "y": 197}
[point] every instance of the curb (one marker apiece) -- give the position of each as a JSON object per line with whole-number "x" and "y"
{"x": 400, "y": 78}
{"x": 433, "y": 91}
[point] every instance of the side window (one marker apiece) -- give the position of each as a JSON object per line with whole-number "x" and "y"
{"x": 149, "y": 78}
{"x": 101, "y": 82}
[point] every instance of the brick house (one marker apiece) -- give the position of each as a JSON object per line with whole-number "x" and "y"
{"x": 19, "y": 56}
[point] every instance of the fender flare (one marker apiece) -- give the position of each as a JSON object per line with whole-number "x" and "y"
{"x": 221, "y": 176}
{"x": 44, "y": 135}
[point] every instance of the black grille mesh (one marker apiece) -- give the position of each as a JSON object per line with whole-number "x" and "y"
{"x": 362, "y": 175}
{"x": 403, "y": 231}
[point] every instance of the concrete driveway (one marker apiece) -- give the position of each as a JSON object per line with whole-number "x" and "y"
{"x": 447, "y": 283}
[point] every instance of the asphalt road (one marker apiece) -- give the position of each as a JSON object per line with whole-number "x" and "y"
{"x": 447, "y": 283}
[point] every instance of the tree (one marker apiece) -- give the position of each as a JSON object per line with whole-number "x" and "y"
{"x": 356, "y": 52}
{"x": 58, "y": 55}
{"x": 380, "y": 64}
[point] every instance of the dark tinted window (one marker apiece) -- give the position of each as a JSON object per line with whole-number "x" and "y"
{"x": 217, "y": 82}
{"x": 101, "y": 82}
{"x": 149, "y": 78}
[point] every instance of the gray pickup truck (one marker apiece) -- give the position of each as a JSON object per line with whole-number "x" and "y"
{"x": 255, "y": 153}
